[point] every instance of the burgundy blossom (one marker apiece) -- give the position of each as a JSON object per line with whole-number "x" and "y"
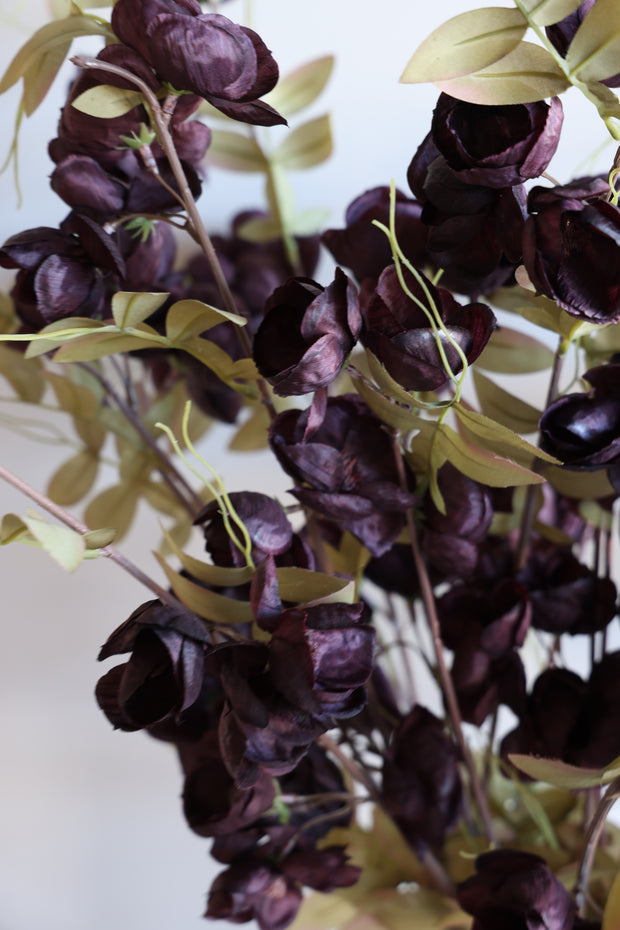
{"x": 496, "y": 146}
{"x": 399, "y": 333}
{"x": 207, "y": 54}
{"x": 307, "y": 334}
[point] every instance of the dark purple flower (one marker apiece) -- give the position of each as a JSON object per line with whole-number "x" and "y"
{"x": 265, "y": 520}
{"x": 164, "y": 675}
{"x": 365, "y": 249}
{"x": 399, "y": 333}
{"x": 583, "y": 430}
{"x": 518, "y": 890}
{"x": 307, "y": 334}
{"x": 344, "y": 469}
{"x": 496, "y": 146}
{"x": 207, "y": 54}
{"x": 421, "y": 786}
{"x": 571, "y": 247}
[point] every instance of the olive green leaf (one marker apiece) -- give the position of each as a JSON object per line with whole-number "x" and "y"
{"x": 526, "y": 74}
{"x": 189, "y": 318}
{"x": 301, "y": 87}
{"x": 129, "y": 308}
{"x": 219, "y": 576}
{"x": 74, "y": 479}
{"x": 65, "y": 546}
{"x": 611, "y": 914}
{"x": 548, "y": 12}
{"x": 541, "y": 311}
{"x": 40, "y": 58}
{"x": 83, "y": 406}
{"x": 562, "y": 775}
{"x": 304, "y": 586}
{"x": 594, "y": 51}
{"x": 206, "y": 604}
{"x": 252, "y": 434}
{"x": 479, "y": 464}
{"x": 465, "y": 44}
{"x": 582, "y": 485}
{"x": 99, "y": 345}
{"x": 236, "y": 152}
{"x": 107, "y": 102}
{"x": 99, "y": 539}
{"x": 12, "y": 528}
{"x": 23, "y": 375}
{"x": 115, "y": 507}
{"x": 391, "y": 413}
{"x": 494, "y": 434}
{"x": 511, "y": 352}
{"x": 505, "y": 408}
{"x": 299, "y": 223}
{"x": 57, "y": 333}
{"x": 222, "y": 364}
{"x": 306, "y": 146}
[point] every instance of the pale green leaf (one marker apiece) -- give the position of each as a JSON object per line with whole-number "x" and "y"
{"x": 505, "y": 408}
{"x": 594, "y": 53}
{"x": 130, "y": 308}
{"x": 582, "y": 485}
{"x": 206, "y": 604}
{"x": 65, "y": 546}
{"x": 189, "y": 318}
{"x": 56, "y": 334}
{"x": 99, "y": 539}
{"x": 12, "y": 528}
{"x": 526, "y": 74}
{"x": 547, "y": 12}
{"x": 308, "y": 145}
{"x": 252, "y": 435}
{"x": 301, "y": 87}
{"x": 464, "y": 44}
{"x": 476, "y": 463}
{"x": 107, "y": 101}
{"x": 74, "y": 479}
{"x": 303, "y": 586}
{"x": 99, "y": 345}
{"x": 493, "y": 433}
{"x": 561, "y": 774}
{"x": 389, "y": 412}
{"x": 539, "y": 310}
{"x": 236, "y": 152}
{"x": 260, "y": 229}
{"x": 220, "y": 361}
{"x": 115, "y": 507}
{"x": 512, "y": 352}
{"x": 219, "y": 576}
{"x": 39, "y": 59}
{"x": 611, "y": 914}
{"x": 308, "y": 222}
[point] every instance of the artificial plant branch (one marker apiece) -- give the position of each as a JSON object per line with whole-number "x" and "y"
{"x": 592, "y": 838}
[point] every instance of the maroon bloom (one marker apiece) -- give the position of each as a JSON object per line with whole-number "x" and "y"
{"x": 307, "y": 334}
{"x": 397, "y": 330}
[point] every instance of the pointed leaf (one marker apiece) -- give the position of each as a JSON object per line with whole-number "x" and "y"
{"x": 189, "y": 318}
{"x": 24, "y": 375}
{"x": 220, "y": 361}
{"x": 252, "y": 434}
{"x": 220, "y": 576}
{"x": 207, "y": 604}
{"x": 74, "y": 479}
{"x": 582, "y": 485}
{"x": 593, "y": 53}
{"x": 12, "y": 528}
{"x": 512, "y": 352}
{"x": 302, "y": 586}
{"x": 115, "y": 507}
{"x": 306, "y": 146}
{"x": 236, "y": 152}
{"x": 56, "y": 334}
{"x": 561, "y": 774}
{"x": 301, "y": 87}
{"x": 493, "y": 433}
{"x": 99, "y": 345}
{"x": 99, "y": 539}
{"x": 611, "y": 914}
{"x": 526, "y": 74}
{"x": 482, "y": 466}
{"x": 548, "y": 12}
{"x": 392, "y": 414}
{"x": 65, "y": 546}
{"x": 505, "y": 408}
{"x": 107, "y": 102}
{"x": 130, "y": 308}
{"x": 465, "y": 44}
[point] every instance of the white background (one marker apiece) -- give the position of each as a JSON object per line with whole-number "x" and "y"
{"x": 91, "y": 830}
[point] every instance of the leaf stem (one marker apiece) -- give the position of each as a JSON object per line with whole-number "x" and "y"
{"x": 74, "y": 524}
{"x": 593, "y": 836}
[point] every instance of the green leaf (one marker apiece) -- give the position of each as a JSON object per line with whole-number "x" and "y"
{"x": 583, "y": 485}
{"x": 611, "y": 914}
{"x": 207, "y": 604}
{"x": 24, "y": 375}
{"x": 114, "y": 507}
{"x": 187, "y": 319}
{"x": 465, "y": 44}
{"x": 593, "y": 54}
{"x": 220, "y": 361}
{"x": 99, "y": 539}
{"x": 526, "y": 74}
{"x": 561, "y": 774}
{"x": 308, "y": 145}
{"x": 495, "y": 433}
{"x": 12, "y": 528}
{"x": 99, "y": 345}
{"x": 476, "y": 463}
{"x": 130, "y": 308}
{"x": 389, "y": 412}
{"x": 540, "y": 310}
{"x": 40, "y": 58}
{"x": 548, "y": 12}
{"x": 55, "y": 334}
{"x": 236, "y": 152}
{"x": 505, "y": 408}
{"x": 252, "y": 435}
{"x": 303, "y": 586}
{"x": 107, "y": 102}
{"x": 512, "y": 352}
{"x": 301, "y": 87}
{"x": 74, "y": 479}
{"x": 65, "y": 546}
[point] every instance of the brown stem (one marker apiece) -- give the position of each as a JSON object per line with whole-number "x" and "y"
{"x": 192, "y": 503}
{"x": 592, "y": 838}
{"x": 165, "y": 140}
{"x": 529, "y": 507}
{"x": 75, "y": 524}
{"x": 445, "y": 678}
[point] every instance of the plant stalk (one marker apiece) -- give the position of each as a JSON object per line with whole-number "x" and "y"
{"x": 592, "y": 839}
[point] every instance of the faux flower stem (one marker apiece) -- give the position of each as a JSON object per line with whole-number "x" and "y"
{"x": 445, "y": 678}
{"x": 529, "y": 506}
{"x": 592, "y": 838}
{"x": 173, "y": 478}
{"x": 74, "y": 524}
{"x": 165, "y": 140}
